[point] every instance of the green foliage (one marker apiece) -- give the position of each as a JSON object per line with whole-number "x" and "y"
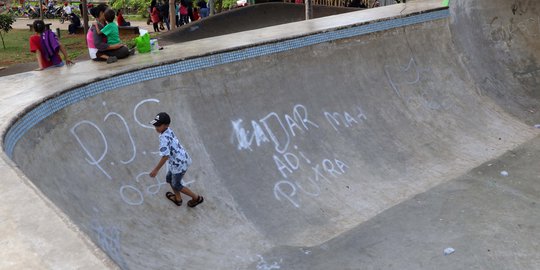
{"x": 5, "y": 25}
{"x": 5, "y": 22}
{"x": 227, "y": 4}
{"x": 131, "y": 6}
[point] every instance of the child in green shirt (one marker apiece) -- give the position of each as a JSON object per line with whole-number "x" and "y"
{"x": 111, "y": 29}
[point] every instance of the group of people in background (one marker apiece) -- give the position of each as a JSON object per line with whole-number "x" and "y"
{"x": 185, "y": 12}
{"x": 103, "y": 40}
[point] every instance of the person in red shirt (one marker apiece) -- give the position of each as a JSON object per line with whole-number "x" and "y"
{"x": 120, "y": 19}
{"x": 44, "y": 59}
{"x": 155, "y": 18}
{"x": 195, "y": 14}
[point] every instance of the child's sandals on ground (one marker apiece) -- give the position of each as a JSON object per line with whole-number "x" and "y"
{"x": 172, "y": 197}
{"x": 193, "y": 203}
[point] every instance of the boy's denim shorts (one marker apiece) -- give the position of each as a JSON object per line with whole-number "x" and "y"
{"x": 175, "y": 179}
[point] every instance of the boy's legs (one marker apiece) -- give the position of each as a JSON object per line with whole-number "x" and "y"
{"x": 119, "y": 53}
{"x": 188, "y": 192}
{"x": 175, "y": 180}
{"x": 101, "y": 57}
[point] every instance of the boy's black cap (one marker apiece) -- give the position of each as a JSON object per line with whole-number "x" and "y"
{"x": 161, "y": 118}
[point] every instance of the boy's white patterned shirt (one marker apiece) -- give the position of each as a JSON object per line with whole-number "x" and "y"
{"x": 169, "y": 146}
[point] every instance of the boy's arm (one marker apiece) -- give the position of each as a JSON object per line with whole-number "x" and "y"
{"x": 158, "y": 166}
{"x": 98, "y": 42}
{"x": 107, "y": 29}
{"x": 97, "y": 28}
{"x": 115, "y": 46}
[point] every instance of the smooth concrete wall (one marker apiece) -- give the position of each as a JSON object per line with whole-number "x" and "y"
{"x": 499, "y": 43}
{"x": 290, "y": 149}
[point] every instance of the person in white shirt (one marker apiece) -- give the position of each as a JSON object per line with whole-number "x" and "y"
{"x": 67, "y": 8}
{"x": 172, "y": 151}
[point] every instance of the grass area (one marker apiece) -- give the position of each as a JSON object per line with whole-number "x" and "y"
{"x": 18, "y": 46}
{"x": 134, "y": 17}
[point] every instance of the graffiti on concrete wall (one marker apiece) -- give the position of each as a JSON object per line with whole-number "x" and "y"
{"x": 500, "y": 30}
{"x": 142, "y": 185}
{"x": 411, "y": 83}
{"x": 280, "y": 131}
{"x": 108, "y": 238}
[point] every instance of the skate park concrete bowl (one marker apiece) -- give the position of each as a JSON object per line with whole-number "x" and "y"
{"x": 247, "y": 18}
{"x": 374, "y": 139}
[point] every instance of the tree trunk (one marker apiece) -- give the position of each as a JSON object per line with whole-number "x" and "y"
{"x": 40, "y": 9}
{"x": 172, "y": 15}
{"x": 309, "y": 9}
{"x": 84, "y": 12}
{"x": 1, "y": 36}
{"x": 211, "y": 6}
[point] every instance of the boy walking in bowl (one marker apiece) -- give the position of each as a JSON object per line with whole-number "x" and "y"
{"x": 172, "y": 151}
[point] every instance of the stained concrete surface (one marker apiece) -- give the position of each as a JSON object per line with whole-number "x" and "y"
{"x": 490, "y": 220}
{"x": 399, "y": 145}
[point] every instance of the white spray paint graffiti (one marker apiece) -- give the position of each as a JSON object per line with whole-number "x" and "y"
{"x": 336, "y": 119}
{"x": 243, "y": 137}
{"x": 92, "y": 160}
{"x": 133, "y": 146}
{"x": 411, "y": 74}
{"x": 280, "y": 137}
{"x": 498, "y": 30}
{"x": 108, "y": 239}
{"x": 132, "y": 194}
{"x": 395, "y": 86}
{"x": 327, "y": 168}
{"x": 137, "y": 108}
{"x": 263, "y": 265}
{"x": 279, "y": 130}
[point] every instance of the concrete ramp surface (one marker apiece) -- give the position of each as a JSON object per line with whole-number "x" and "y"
{"x": 367, "y": 140}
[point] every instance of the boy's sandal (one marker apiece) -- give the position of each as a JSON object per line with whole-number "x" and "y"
{"x": 193, "y": 203}
{"x": 172, "y": 197}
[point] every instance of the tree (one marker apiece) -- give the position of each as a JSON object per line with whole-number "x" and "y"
{"x": 172, "y": 15}
{"x": 5, "y": 25}
{"x": 139, "y": 6}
